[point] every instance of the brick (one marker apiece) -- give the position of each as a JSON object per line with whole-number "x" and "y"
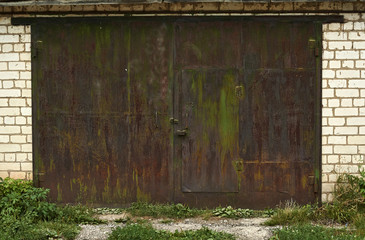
{"x": 324, "y": 198}
{"x": 16, "y": 65}
{"x": 337, "y": 139}
{"x": 17, "y": 102}
{"x": 9, "y": 129}
{"x": 356, "y": 140}
{"x": 358, "y": 159}
{"x": 3, "y": 66}
{"x": 328, "y": 187}
{"x": 17, "y": 175}
{"x": 352, "y": 16}
{"x": 328, "y": 74}
{"x": 4, "y": 174}
{"x": 27, "y": 148}
{"x": 333, "y": 64}
{"x": 336, "y": 121}
{"x": 362, "y": 111}
{"x": 362, "y": 149}
{"x": 359, "y": 102}
{"x": 335, "y": 36}
{"x": 8, "y": 84}
{"x": 362, "y": 54}
{"x": 6, "y": 57}
{"x": 346, "y": 169}
{"x": 9, "y": 75}
{"x": 345, "y": 149}
{"x": 5, "y": 20}
{"x": 9, "y": 111}
{"x": 346, "y": 112}
{"x": 9, "y": 120}
{"x": 26, "y": 111}
{"x": 348, "y": 73}
{"x": 356, "y": 121}
{"x": 328, "y": 55}
{"x": 4, "y": 102}
{"x": 9, "y": 38}
{"x": 356, "y": 36}
{"x": 348, "y": 64}
{"x": 345, "y": 130}
{"x": 345, "y": 158}
{"x": 348, "y": 26}
{"x": 21, "y": 157}
{"x": 26, "y": 166}
{"x": 328, "y": 93}
{"x": 327, "y": 149}
{"x": 347, "y": 54}
{"x": 4, "y": 139}
{"x": 333, "y": 102}
{"x": 10, "y": 157}
{"x": 26, "y": 93}
{"x": 18, "y": 139}
{"x": 332, "y": 177}
{"x": 9, "y": 166}
{"x": 25, "y": 75}
{"x": 3, "y": 29}
{"x": 16, "y": 29}
{"x": 324, "y": 102}
{"x": 328, "y": 168}
{"x": 360, "y": 64}
{"x": 25, "y": 38}
{"x": 357, "y": 83}
{"x": 25, "y": 130}
{"x": 327, "y": 112}
{"x": 337, "y": 83}
{"x": 334, "y": 26}
{"x": 359, "y": 26}
{"x": 25, "y": 56}
{"x": 327, "y": 130}
{"x": 339, "y": 45}
{"x": 333, "y": 159}
{"x": 346, "y": 102}
{"x": 7, "y": 48}
{"x": 359, "y": 45}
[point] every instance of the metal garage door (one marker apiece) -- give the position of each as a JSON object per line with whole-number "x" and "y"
{"x": 204, "y": 111}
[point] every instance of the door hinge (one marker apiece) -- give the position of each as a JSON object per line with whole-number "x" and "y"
{"x": 312, "y": 181}
{"x": 40, "y": 176}
{"x": 312, "y": 43}
{"x": 37, "y": 46}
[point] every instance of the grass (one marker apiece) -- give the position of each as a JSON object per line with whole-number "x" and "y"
{"x": 146, "y": 232}
{"x": 174, "y": 211}
{"x": 311, "y": 232}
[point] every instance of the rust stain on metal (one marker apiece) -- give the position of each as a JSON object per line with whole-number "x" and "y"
{"x": 177, "y": 109}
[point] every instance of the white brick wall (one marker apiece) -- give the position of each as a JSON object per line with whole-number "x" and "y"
{"x": 343, "y": 100}
{"x": 343, "y": 96}
{"x": 15, "y": 101}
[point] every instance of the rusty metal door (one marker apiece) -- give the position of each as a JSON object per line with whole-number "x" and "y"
{"x": 204, "y": 111}
{"x": 247, "y": 97}
{"x": 101, "y": 106}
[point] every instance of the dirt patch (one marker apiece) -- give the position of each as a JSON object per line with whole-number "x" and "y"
{"x": 243, "y": 229}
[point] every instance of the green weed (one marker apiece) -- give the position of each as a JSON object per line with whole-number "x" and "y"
{"x": 230, "y": 212}
{"x": 310, "y": 232}
{"x": 25, "y": 213}
{"x": 147, "y": 232}
{"x": 163, "y": 210}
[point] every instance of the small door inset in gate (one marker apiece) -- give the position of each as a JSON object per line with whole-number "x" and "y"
{"x": 209, "y": 114}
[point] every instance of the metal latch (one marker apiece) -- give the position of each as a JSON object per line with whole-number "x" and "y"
{"x": 174, "y": 120}
{"x": 182, "y": 132}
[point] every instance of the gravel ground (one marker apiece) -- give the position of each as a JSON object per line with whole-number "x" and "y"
{"x": 244, "y": 229}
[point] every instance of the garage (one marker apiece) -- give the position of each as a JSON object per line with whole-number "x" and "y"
{"x": 204, "y": 111}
